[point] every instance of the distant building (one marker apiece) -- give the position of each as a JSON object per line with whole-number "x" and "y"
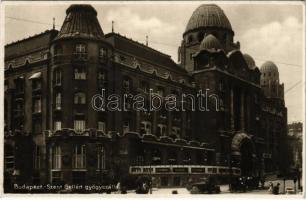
{"x": 295, "y": 140}
{"x": 53, "y": 135}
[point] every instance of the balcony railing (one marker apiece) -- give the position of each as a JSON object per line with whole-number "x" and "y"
{"x": 69, "y": 58}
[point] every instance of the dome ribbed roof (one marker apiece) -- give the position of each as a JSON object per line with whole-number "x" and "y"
{"x": 81, "y": 22}
{"x": 210, "y": 42}
{"x": 208, "y": 15}
{"x": 250, "y": 61}
{"x": 268, "y": 67}
{"x": 269, "y": 73}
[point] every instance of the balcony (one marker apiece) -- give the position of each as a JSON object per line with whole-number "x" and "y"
{"x": 76, "y": 57}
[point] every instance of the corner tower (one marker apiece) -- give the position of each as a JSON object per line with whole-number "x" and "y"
{"x": 79, "y": 69}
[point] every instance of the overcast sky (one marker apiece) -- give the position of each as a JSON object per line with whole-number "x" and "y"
{"x": 265, "y": 31}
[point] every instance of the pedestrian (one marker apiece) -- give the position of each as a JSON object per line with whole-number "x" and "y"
{"x": 270, "y": 187}
{"x": 118, "y": 187}
{"x": 276, "y": 189}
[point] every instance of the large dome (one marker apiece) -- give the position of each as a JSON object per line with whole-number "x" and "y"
{"x": 208, "y": 15}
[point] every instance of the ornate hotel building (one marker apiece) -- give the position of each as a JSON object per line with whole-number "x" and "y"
{"x": 53, "y": 135}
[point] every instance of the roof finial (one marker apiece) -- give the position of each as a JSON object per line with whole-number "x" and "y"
{"x": 53, "y": 23}
{"x": 113, "y": 23}
{"x": 147, "y": 40}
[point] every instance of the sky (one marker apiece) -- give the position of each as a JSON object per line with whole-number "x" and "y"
{"x": 265, "y": 31}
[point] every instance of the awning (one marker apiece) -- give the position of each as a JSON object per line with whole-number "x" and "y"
{"x": 35, "y": 75}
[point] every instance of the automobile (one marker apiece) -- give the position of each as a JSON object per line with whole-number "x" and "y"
{"x": 205, "y": 186}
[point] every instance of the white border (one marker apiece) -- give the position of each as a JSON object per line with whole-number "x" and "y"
{"x": 162, "y": 196}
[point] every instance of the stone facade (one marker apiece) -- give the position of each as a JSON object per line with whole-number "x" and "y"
{"x": 53, "y": 134}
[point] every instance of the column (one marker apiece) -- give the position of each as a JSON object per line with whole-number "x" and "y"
{"x": 242, "y": 125}
{"x": 232, "y": 117}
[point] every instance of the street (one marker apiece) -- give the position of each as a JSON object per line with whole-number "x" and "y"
{"x": 225, "y": 189}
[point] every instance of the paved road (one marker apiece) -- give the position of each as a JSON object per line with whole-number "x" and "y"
{"x": 224, "y": 189}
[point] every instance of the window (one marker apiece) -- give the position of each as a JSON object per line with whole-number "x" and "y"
{"x": 161, "y": 130}
{"x": 145, "y": 86}
{"x": 79, "y": 74}
{"x": 80, "y": 48}
{"x": 176, "y": 131}
{"x": 127, "y": 83}
{"x": 101, "y": 157}
{"x": 79, "y": 125}
{"x": 79, "y": 157}
{"x": 146, "y": 127}
{"x": 103, "y": 53}
{"x": 37, "y": 105}
{"x": 9, "y": 158}
{"x": 101, "y": 78}
{"x": 19, "y": 84}
{"x": 36, "y": 84}
{"x": 58, "y": 101}
{"x": 101, "y": 126}
{"x": 79, "y": 98}
{"x": 37, "y": 126}
{"x": 36, "y": 157}
{"x": 57, "y": 125}
{"x": 56, "y": 157}
{"x": 57, "y": 77}
{"x": 126, "y": 126}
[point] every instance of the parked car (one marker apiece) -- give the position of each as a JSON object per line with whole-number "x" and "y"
{"x": 204, "y": 187}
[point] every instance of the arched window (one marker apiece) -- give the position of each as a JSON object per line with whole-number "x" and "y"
{"x": 79, "y": 98}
